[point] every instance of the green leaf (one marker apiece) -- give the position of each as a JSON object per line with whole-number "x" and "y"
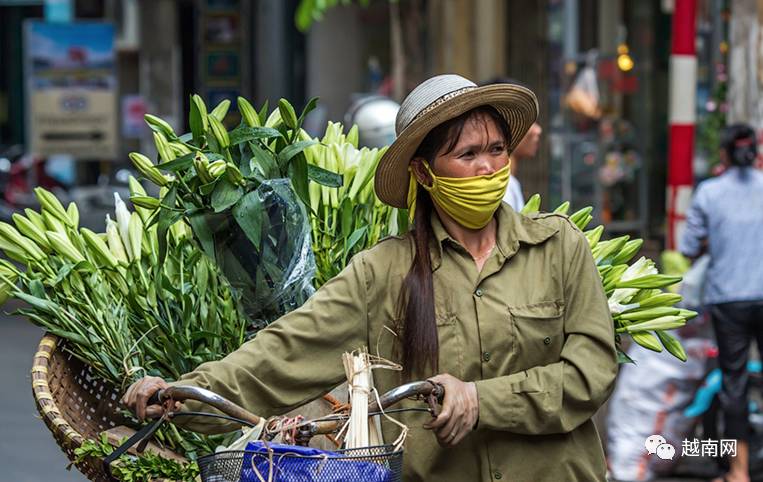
{"x": 352, "y": 241}
{"x": 169, "y": 199}
{"x": 290, "y": 151}
{"x": 309, "y": 107}
{"x": 263, "y": 113}
{"x": 37, "y": 289}
{"x": 248, "y": 213}
{"x": 346, "y": 216}
{"x": 177, "y": 164}
{"x": 304, "y": 15}
{"x": 623, "y": 357}
{"x": 39, "y": 303}
{"x": 298, "y": 176}
{"x": 202, "y": 232}
{"x": 244, "y": 133}
{"x": 288, "y": 116}
{"x": 324, "y": 176}
{"x": 196, "y": 121}
{"x": 61, "y": 275}
{"x": 225, "y": 195}
{"x": 265, "y": 160}
{"x": 167, "y": 217}
{"x": 207, "y": 189}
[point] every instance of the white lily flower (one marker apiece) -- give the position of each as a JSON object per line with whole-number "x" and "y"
{"x": 114, "y": 241}
{"x": 642, "y": 267}
{"x": 123, "y": 223}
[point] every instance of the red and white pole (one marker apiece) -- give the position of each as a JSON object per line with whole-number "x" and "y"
{"x": 682, "y": 117}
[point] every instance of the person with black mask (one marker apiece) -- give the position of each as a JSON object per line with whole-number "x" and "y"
{"x": 725, "y": 220}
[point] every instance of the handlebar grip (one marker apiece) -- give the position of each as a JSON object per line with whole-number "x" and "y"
{"x": 156, "y": 398}
{"x": 438, "y": 392}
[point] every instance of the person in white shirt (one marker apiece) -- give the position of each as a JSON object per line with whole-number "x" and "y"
{"x": 526, "y": 149}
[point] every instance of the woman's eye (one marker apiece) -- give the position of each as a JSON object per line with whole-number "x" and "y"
{"x": 498, "y": 149}
{"x": 468, "y": 154}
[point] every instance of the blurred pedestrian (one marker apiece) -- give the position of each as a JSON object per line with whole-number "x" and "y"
{"x": 726, "y": 221}
{"x": 526, "y": 149}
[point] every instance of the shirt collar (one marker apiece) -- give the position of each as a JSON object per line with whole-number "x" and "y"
{"x": 513, "y": 229}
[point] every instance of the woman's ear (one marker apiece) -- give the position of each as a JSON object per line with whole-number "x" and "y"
{"x": 421, "y": 173}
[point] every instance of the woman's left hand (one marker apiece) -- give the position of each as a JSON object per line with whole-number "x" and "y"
{"x": 460, "y": 410}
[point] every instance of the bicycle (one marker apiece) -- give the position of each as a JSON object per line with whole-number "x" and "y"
{"x": 260, "y": 461}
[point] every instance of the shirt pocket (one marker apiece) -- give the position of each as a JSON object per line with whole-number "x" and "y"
{"x": 538, "y": 330}
{"x": 451, "y": 346}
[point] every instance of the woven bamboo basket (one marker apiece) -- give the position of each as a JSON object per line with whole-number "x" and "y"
{"x": 74, "y": 403}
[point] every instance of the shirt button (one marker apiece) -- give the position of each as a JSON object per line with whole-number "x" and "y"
{"x": 486, "y": 356}
{"x": 497, "y": 475}
{"x": 478, "y": 292}
{"x": 547, "y": 341}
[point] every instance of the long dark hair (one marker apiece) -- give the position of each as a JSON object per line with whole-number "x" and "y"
{"x": 416, "y": 310}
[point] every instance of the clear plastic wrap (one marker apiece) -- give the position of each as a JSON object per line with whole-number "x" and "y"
{"x": 262, "y": 245}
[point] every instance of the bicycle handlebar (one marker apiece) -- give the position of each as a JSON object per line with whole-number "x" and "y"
{"x": 183, "y": 393}
{"x": 433, "y": 393}
{"x": 428, "y": 389}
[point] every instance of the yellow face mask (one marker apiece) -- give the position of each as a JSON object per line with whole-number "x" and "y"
{"x": 471, "y": 201}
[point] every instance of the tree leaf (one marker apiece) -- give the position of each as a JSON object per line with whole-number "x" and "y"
{"x": 324, "y": 176}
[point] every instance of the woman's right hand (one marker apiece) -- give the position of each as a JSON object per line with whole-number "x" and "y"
{"x": 136, "y": 397}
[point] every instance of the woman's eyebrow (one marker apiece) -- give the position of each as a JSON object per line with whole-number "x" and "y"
{"x": 477, "y": 147}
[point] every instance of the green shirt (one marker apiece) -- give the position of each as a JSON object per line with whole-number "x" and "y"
{"x": 532, "y": 329}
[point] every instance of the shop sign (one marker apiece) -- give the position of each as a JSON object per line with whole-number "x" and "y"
{"x": 71, "y": 89}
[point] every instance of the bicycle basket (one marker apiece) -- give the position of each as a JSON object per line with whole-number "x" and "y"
{"x": 289, "y": 463}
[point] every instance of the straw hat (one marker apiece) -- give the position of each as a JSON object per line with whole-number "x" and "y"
{"x": 435, "y": 101}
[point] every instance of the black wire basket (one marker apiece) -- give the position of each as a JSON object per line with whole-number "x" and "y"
{"x": 371, "y": 464}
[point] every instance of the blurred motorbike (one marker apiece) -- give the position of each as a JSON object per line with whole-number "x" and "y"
{"x": 20, "y": 173}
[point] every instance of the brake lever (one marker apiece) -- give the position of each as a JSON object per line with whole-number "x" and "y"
{"x": 434, "y": 409}
{"x": 434, "y": 399}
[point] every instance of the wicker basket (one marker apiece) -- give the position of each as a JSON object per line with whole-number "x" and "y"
{"x": 74, "y": 404}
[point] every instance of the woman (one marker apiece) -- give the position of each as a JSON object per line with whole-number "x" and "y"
{"x": 506, "y": 311}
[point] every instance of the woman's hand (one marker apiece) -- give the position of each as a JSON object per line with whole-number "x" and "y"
{"x": 136, "y": 397}
{"x": 460, "y": 410}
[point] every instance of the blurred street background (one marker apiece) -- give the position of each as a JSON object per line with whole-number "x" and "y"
{"x": 633, "y": 94}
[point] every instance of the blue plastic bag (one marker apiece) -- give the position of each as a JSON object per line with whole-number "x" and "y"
{"x": 292, "y": 463}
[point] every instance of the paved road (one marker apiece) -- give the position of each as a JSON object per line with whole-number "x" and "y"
{"x": 28, "y": 452}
